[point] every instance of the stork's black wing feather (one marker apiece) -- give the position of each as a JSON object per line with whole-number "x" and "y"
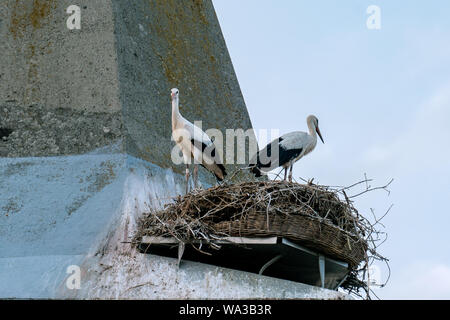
{"x": 204, "y": 146}
{"x": 271, "y": 160}
{"x": 264, "y": 157}
{"x": 211, "y": 150}
{"x": 267, "y": 160}
{"x": 199, "y": 144}
{"x": 286, "y": 155}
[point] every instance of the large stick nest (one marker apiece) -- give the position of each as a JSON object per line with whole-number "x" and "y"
{"x": 311, "y": 215}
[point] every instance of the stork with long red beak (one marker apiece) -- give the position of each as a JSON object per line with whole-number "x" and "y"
{"x": 286, "y": 150}
{"x": 194, "y": 144}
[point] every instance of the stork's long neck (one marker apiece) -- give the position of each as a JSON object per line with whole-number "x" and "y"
{"x": 176, "y": 116}
{"x": 312, "y": 130}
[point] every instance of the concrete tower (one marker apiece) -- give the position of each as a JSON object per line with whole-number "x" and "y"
{"x": 85, "y": 145}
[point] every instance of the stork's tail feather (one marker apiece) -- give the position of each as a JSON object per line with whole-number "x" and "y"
{"x": 222, "y": 171}
{"x": 256, "y": 171}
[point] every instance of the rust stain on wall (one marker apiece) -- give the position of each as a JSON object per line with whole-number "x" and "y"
{"x": 180, "y": 25}
{"x": 27, "y": 16}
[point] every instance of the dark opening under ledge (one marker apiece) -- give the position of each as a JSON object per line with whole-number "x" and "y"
{"x": 269, "y": 256}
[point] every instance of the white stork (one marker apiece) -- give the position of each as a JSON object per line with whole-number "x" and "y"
{"x": 194, "y": 143}
{"x": 291, "y": 147}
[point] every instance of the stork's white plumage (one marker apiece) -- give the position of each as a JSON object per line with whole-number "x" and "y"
{"x": 194, "y": 144}
{"x": 287, "y": 149}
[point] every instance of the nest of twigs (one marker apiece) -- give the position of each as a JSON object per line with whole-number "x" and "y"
{"x": 310, "y": 215}
{"x": 318, "y": 217}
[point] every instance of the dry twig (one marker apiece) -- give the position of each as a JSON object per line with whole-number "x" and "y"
{"x": 322, "y": 218}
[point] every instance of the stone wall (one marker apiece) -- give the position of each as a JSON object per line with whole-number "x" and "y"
{"x": 85, "y": 146}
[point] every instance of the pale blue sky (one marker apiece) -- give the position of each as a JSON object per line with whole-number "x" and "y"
{"x": 383, "y": 100}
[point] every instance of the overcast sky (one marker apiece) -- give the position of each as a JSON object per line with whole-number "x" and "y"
{"x": 383, "y": 101}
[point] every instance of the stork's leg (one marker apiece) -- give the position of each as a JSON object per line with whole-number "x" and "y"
{"x": 285, "y": 173}
{"x": 290, "y": 172}
{"x": 187, "y": 178}
{"x": 195, "y": 175}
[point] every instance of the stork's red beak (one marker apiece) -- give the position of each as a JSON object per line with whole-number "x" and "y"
{"x": 172, "y": 95}
{"x": 320, "y": 135}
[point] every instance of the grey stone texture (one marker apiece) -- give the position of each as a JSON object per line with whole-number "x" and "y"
{"x": 119, "y": 67}
{"x": 85, "y": 146}
{"x": 82, "y": 210}
{"x": 37, "y": 131}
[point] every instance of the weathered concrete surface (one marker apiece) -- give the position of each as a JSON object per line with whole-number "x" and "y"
{"x": 123, "y": 61}
{"x": 39, "y": 131}
{"x": 134, "y": 276}
{"x": 34, "y": 277}
{"x": 43, "y": 62}
{"x": 83, "y": 210}
{"x": 43, "y": 198}
{"x": 55, "y": 83}
{"x": 51, "y": 212}
{"x": 169, "y": 43}
{"x": 85, "y": 146}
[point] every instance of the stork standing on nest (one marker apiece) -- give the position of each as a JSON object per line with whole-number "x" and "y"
{"x": 194, "y": 144}
{"x": 291, "y": 147}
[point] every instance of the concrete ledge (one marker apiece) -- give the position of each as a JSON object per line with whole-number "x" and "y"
{"x": 83, "y": 210}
